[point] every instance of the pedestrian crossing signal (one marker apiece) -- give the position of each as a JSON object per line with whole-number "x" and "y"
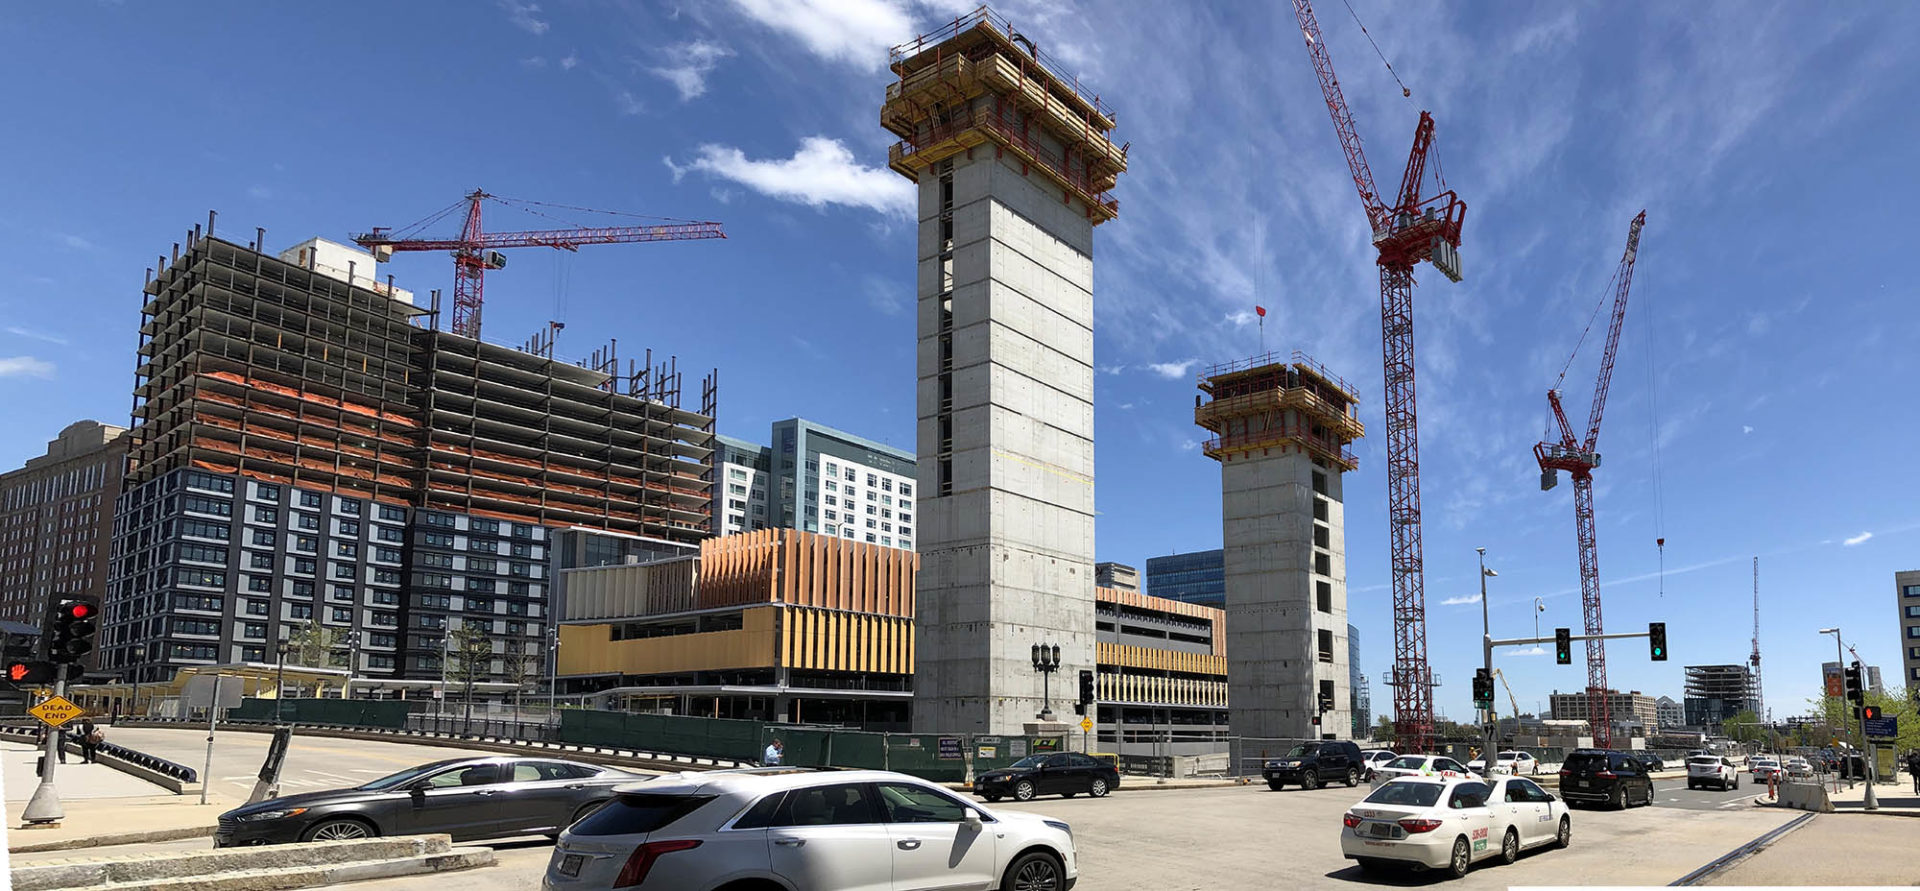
{"x": 1870, "y": 712}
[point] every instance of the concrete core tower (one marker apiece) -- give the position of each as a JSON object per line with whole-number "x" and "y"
{"x": 1280, "y": 432}
{"x": 1013, "y": 164}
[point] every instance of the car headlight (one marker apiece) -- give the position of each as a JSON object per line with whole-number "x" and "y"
{"x": 274, "y": 815}
{"x": 1061, "y": 826}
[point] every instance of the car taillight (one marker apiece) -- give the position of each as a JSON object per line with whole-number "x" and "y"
{"x": 1351, "y": 820}
{"x": 1416, "y": 825}
{"x": 1606, "y": 775}
{"x": 1566, "y": 773}
{"x": 641, "y": 860}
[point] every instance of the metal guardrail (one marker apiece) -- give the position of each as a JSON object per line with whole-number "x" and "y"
{"x": 154, "y": 763}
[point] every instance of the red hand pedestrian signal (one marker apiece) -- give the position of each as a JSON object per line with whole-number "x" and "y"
{"x": 30, "y": 673}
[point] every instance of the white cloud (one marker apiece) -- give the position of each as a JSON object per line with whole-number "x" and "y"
{"x": 1746, "y": 428}
{"x": 261, "y": 193}
{"x": 25, "y": 366}
{"x": 522, "y": 16}
{"x": 689, "y": 64}
{"x": 1535, "y": 650}
{"x": 629, "y": 103}
{"x": 1858, "y": 539}
{"x": 1110, "y": 369}
{"x": 534, "y": 62}
{"x": 1173, "y": 370}
{"x": 75, "y": 242}
{"x": 821, "y": 172}
{"x": 1243, "y": 318}
{"x": 855, "y": 31}
{"x": 1461, "y": 601}
{"x": 571, "y": 60}
{"x": 36, "y": 335}
{"x": 1189, "y": 445}
{"x": 724, "y": 196}
{"x": 1125, "y": 406}
{"x": 884, "y": 296}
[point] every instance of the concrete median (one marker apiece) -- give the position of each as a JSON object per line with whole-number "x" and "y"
{"x": 304, "y": 865}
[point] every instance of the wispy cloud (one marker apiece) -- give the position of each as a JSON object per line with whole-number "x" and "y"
{"x": 1535, "y": 650}
{"x": 259, "y": 193}
{"x": 18, "y": 331}
{"x": 821, "y": 172}
{"x": 1172, "y": 371}
{"x": 1110, "y": 369}
{"x": 1461, "y": 601}
{"x": 858, "y": 32}
{"x": 571, "y": 60}
{"x": 525, "y": 16}
{"x": 25, "y": 366}
{"x": 1858, "y": 539}
{"x": 629, "y": 104}
{"x": 534, "y": 62}
{"x": 883, "y": 296}
{"x": 688, "y": 65}
{"x": 1242, "y": 318}
{"x": 74, "y": 241}
{"x": 1746, "y": 428}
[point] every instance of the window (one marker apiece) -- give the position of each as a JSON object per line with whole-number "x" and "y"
{"x": 204, "y": 652}
{"x": 203, "y": 554}
{"x": 844, "y": 804}
{"x": 905, "y": 531}
{"x": 1913, "y": 612}
{"x": 1913, "y": 632}
{"x": 1468, "y": 795}
{"x": 306, "y": 543}
{"x": 887, "y": 500}
{"x": 260, "y": 584}
{"x": 386, "y": 555}
{"x": 346, "y": 549}
{"x": 918, "y": 804}
{"x": 437, "y": 539}
{"x": 521, "y": 570}
{"x": 198, "y": 602}
{"x": 204, "y": 578}
{"x": 386, "y": 598}
{"x": 1910, "y": 591}
{"x": 263, "y": 537}
{"x": 1323, "y": 596}
{"x": 350, "y": 528}
{"x": 1325, "y": 637}
{"x": 871, "y": 479}
{"x": 886, "y": 485}
{"x": 886, "y": 527}
{"x": 872, "y": 511}
{"x": 303, "y": 566}
{"x": 300, "y": 611}
{"x": 442, "y": 521}
{"x": 434, "y": 561}
{"x": 735, "y": 473}
{"x": 1323, "y": 564}
{"x": 736, "y": 489}
{"x": 342, "y": 593}
{"x": 342, "y": 615}
{"x": 309, "y": 499}
{"x": 255, "y": 630}
{"x": 479, "y": 526}
{"x": 197, "y": 480}
{"x": 830, "y": 516}
{"x": 833, "y": 486}
{"x": 476, "y": 775}
{"x": 303, "y": 589}
{"x": 393, "y": 514}
{"x": 257, "y": 608}
{"x": 198, "y": 504}
{"x": 886, "y": 540}
{"x": 485, "y": 586}
{"x": 870, "y": 537}
{"x": 906, "y": 489}
{"x": 475, "y": 564}
{"x": 204, "y": 529}
{"x": 886, "y": 514}
{"x": 347, "y": 506}
{"x": 832, "y": 501}
{"x": 872, "y": 495}
{"x": 383, "y": 620}
{"x": 266, "y": 515}
{"x": 1321, "y": 536}
{"x": 309, "y": 522}
{"x": 850, "y": 475}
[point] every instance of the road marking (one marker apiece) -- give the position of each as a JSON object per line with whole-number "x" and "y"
{"x": 365, "y": 770}
{"x": 236, "y": 779}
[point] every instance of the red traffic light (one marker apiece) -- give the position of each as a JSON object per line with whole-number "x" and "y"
{"x": 1870, "y": 712}
{"x": 80, "y": 610}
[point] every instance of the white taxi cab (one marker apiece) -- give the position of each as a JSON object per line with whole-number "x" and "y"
{"x": 1451, "y": 823}
{"x": 1439, "y": 766}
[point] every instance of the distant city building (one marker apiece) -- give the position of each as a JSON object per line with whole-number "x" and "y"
{"x": 1627, "y": 709}
{"x": 1715, "y": 693}
{"x": 1362, "y": 696}
{"x": 56, "y": 520}
{"x": 1118, "y": 576}
{"x": 1906, "y": 595}
{"x": 1671, "y": 713}
{"x": 1196, "y": 577}
{"x": 844, "y": 486}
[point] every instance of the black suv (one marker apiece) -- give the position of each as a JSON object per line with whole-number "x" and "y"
{"x": 1312, "y": 764}
{"x": 1605, "y": 776}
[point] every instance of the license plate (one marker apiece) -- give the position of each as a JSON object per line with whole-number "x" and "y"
{"x": 1381, "y": 830}
{"x": 1583, "y": 784}
{"x": 570, "y": 865}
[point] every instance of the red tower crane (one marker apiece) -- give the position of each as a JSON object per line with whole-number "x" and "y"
{"x": 1410, "y": 230}
{"x": 474, "y": 252}
{"x": 1579, "y": 459}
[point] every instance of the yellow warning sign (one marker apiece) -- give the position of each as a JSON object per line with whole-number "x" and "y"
{"x": 1086, "y": 725}
{"x": 55, "y": 712}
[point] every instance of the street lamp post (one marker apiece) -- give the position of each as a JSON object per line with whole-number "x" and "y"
{"x": 1872, "y": 802}
{"x": 1490, "y": 757}
{"x": 553, "y": 667}
{"x": 1046, "y": 660}
{"x": 280, "y": 685}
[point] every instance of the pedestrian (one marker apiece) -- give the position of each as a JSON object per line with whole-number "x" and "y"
{"x": 1913, "y": 767}
{"x": 775, "y": 749}
{"x": 60, "y": 744}
{"x": 89, "y": 740}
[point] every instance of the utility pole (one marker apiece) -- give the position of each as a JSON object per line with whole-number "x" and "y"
{"x": 45, "y": 807}
{"x": 1487, "y": 751}
{"x": 553, "y": 667}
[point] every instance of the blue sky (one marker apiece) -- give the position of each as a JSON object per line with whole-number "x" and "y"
{"x": 1770, "y": 145}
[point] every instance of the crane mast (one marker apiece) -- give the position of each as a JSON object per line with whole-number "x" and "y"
{"x": 1579, "y": 459}
{"x": 1759, "y": 694}
{"x": 1410, "y": 231}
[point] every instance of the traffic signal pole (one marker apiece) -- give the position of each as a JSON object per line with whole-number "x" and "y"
{"x": 45, "y": 807}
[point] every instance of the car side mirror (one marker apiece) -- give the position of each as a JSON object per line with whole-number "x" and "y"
{"x": 972, "y": 820}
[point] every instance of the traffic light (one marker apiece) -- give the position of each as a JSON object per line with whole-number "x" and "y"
{"x": 1563, "y": 646}
{"x": 1482, "y": 686}
{"x": 29, "y": 672}
{"x": 1856, "y": 692}
{"x": 1870, "y": 712}
{"x": 1086, "y": 687}
{"x": 1326, "y": 703}
{"x": 71, "y": 629}
{"x": 1657, "y": 640}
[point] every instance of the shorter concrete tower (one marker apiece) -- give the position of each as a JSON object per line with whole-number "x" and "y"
{"x": 1280, "y": 432}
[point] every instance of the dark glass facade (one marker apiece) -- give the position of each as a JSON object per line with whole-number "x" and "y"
{"x": 1199, "y": 577}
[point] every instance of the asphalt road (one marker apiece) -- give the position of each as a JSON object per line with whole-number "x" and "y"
{"x": 313, "y": 763}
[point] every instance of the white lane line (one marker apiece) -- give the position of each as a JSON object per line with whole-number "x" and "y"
{"x": 374, "y": 772}
{"x": 236, "y": 779}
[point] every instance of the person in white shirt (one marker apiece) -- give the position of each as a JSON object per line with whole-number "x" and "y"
{"x": 772, "y": 756}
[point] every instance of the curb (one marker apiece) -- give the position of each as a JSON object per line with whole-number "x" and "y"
{"x": 1729, "y": 859}
{"x": 115, "y": 839}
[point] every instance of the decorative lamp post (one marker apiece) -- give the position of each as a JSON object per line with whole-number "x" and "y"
{"x": 1046, "y": 661}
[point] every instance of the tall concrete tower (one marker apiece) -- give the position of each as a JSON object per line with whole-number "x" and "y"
{"x": 1280, "y": 432}
{"x": 1013, "y": 163}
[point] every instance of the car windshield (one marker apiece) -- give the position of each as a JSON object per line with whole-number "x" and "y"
{"x": 406, "y": 776}
{"x": 1300, "y": 751}
{"x": 1706, "y": 760}
{"x": 1028, "y": 763}
{"x": 1408, "y": 762}
{"x": 1406, "y": 794}
{"x": 1509, "y": 756}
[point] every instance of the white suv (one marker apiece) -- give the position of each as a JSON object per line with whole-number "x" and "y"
{"x": 1712, "y": 770}
{"x": 800, "y": 830}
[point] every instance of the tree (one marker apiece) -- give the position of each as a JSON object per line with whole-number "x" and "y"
{"x": 523, "y": 666}
{"x": 470, "y": 659}
{"x": 313, "y": 645}
{"x": 1743, "y": 726}
{"x": 1383, "y": 728}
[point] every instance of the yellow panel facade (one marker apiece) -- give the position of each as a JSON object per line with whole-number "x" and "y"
{"x": 590, "y": 649}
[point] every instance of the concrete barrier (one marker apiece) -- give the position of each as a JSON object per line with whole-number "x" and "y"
{"x": 1805, "y": 797}
{"x": 248, "y": 866}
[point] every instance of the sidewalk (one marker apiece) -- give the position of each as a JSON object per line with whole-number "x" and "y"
{"x": 91, "y": 822}
{"x": 75, "y": 779}
{"x": 1894, "y": 798}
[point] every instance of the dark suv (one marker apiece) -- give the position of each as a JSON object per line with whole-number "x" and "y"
{"x": 1605, "y": 776}
{"x": 1312, "y": 764}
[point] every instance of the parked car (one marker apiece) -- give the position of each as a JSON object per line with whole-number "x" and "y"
{"x": 1313, "y": 764}
{"x": 1763, "y": 766}
{"x": 1605, "y": 775}
{"x": 1058, "y": 773}
{"x": 1374, "y": 759}
{"x": 1717, "y": 771}
{"x": 1420, "y": 766}
{"x": 1798, "y": 768}
{"x": 466, "y": 798}
{"x": 1648, "y": 760}
{"x": 1450, "y": 822}
{"x": 1508, "y": 763}
{"x": 862, "y": 830}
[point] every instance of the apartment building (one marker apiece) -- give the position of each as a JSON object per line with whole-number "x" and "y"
{"x": 56, "y": 520}
{"x": 815, "y": 478}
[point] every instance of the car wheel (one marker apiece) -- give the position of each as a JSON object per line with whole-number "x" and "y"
{"x": 1068, "y": 794}
{"x": 1353, "y": 777}
{"x": 1274, "y": 785}
{"x": 1565, "y": 838}
{"x": 1736, "y": 782}
{"x": 1098, "y": 788}
{"x": 1691, "y": 785}
{"x": 339, "y": 830}
{"x": 1035, "y": 872}
{"x": 1619, "y": 799}
{"x": 991, "y": 797}
{"x": 1462, "y": 858}
{"x": 1023, "y": 790}
{"x": 1510, "y": 847}
{"x": 1310, "y": 778}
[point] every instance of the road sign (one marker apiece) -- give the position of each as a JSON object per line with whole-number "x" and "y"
{"x": 950, "y": 748}
{"x": 55, "y": 712}
{"x": 1883, "y": 728}
{"x": 1086, "y": 725}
